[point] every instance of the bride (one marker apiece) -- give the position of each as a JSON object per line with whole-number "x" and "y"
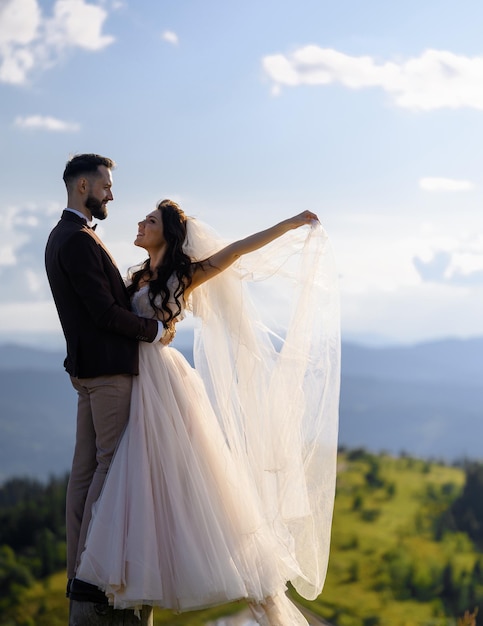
{"x": 222, "y": 486}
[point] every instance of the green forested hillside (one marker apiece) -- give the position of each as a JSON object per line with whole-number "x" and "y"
{"x": 397, "y": 555}
{"x": 392, "y": 560}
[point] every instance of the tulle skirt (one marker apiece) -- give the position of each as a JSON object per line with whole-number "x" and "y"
{"x": 180, "y": 523}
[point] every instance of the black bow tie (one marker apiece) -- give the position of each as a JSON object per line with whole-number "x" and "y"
{"x": 92, "y": 227}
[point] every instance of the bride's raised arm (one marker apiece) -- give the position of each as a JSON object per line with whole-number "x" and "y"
{"x": 222, "y": 259}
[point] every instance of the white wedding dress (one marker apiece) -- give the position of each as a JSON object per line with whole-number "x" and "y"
{"x": 222, "y": 485}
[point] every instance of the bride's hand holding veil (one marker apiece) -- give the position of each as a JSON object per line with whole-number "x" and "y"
{"x": 302, "y": 219}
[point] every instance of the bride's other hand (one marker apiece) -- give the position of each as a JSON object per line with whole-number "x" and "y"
{"x": 169, "y": 335}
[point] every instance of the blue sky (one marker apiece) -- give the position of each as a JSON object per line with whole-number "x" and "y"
{"x": 370, "y": 114}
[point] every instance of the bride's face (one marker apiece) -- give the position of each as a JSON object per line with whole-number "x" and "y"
{"x": 150, "y": 232}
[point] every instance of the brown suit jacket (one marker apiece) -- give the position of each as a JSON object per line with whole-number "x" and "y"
{"x": 100, "y": 330}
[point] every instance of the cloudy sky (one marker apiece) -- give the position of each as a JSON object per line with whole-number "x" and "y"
{"x": 369, "y": 113}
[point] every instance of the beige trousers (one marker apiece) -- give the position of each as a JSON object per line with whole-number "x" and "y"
{"x": 102, "y": 414}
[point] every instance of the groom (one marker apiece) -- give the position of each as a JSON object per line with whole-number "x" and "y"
{"x": 102, "y": 337}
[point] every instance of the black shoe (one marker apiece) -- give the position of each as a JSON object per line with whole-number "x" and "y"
{"x": 85, "y": 592}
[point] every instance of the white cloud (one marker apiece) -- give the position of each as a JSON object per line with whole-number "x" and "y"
{"x": 413, "y": 313}
{"x": 23, "y": 234}
{"x": 37, "y": 317}
{"x": 40, "y": 122}
{"x": 434, "y": 269}
{"x": 19, "y": 21}
{"x": 450, "y": 254}
{"x": 170, "y": 37}
{"x": 436, "y": 79}
{"x": 445, "y": 184}
{"x": 407, "y": 278}
{"x": 76, "y": 23}
{"x": 460, "y": 265}
{"x": 31, "y": 41}
{"x": 19, "y": 27}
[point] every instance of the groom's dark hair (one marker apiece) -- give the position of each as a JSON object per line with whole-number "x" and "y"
{"x": 85, "y": 164}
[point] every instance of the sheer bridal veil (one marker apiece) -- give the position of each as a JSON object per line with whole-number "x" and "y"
{"x": 268, "y": 351}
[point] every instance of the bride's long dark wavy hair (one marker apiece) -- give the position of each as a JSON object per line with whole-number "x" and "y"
{"x": 175, "y": 263}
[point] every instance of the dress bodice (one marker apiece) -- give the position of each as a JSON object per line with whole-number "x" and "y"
{"x": 141, "y": 304}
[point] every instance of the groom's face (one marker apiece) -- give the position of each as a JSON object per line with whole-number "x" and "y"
{"x": 99, "y": 193}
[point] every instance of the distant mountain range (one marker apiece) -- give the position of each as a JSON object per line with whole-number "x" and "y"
{"x": 425, "y": 400}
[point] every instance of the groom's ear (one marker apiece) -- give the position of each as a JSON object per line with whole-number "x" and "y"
{"x": 82, "y": 184}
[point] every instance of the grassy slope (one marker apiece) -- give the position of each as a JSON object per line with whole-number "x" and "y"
{"x": 401, "y": 521}
{"x": 400, "y": 514}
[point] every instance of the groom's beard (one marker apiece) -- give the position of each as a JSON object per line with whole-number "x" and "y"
{"x": 98, "y": 208}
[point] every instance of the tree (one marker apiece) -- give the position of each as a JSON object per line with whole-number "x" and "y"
{"x": 466, "y": 513}
{"x": 14, "y": 579}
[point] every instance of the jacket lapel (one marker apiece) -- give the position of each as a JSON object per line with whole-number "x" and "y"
{"x": 73, "y": 217}
{"x": 93, "y": 234}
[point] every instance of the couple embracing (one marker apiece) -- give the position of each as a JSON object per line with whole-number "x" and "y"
{"x": 192, "y": 487}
